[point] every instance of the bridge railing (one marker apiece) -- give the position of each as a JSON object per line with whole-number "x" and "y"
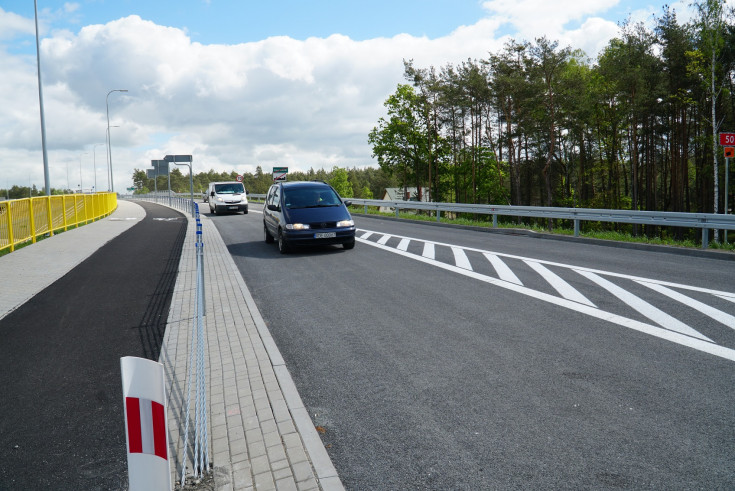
{"x": 704, "y": 221}
{"x": 28, "y": 219}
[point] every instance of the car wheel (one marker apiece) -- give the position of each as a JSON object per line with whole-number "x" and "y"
{"x": 268, "y": 236}
{"x": 246, "y": 211}
{"x": 282, "y": 246}
{"x": 349, "y": 245}
{"x": 213, "y": 210}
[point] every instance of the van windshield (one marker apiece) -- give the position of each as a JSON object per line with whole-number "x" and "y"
{"x": 229, "y": 188}
{"x": 310, "y": 197}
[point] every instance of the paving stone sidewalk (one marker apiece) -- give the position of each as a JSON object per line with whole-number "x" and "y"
{"x": 261, "y": 435}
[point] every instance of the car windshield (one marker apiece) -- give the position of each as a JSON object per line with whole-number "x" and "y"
{"x": 234, "y": 188}
{"x": 310, "y": 197}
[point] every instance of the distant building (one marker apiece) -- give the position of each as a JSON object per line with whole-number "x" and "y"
{"x": 404, "y": 194}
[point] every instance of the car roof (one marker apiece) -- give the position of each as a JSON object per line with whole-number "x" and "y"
{"x": 304, "y": 184}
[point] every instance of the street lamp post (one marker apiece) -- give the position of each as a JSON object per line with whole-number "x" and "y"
{"x": 109, "y": 150}
{"x": 94, "y": 156}
{"x": 107, "y": 139}
{"x": 46, "y": 179}
{"x": 81, "y": 188}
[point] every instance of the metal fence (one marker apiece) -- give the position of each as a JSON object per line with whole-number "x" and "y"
{"x": 26, "y": 220}
{"x": 197, "y": 372}
{"x": 181, "y": 202}
{"x": 196, "y": 439}
{"x": 704, "y": 221}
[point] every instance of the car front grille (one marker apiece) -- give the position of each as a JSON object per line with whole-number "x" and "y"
{"x": 322, "y": 225}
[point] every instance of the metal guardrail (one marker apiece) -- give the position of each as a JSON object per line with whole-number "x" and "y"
{"x": 24, "y": 220}
{"x": 704, "y": 221}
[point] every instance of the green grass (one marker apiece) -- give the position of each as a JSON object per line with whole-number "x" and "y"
{"x": 589, "y": 231}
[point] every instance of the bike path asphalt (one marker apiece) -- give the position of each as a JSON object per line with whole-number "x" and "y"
{"x": 73, "y": 304}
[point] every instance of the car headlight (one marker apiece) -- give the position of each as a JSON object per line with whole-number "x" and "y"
{"x": 220, "y": 199}
{"x": 297, "y": 226}
{"x": 346, "y": 223}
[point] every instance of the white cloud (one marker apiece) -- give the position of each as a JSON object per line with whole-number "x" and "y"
{"x": 536, "y": 18}
{"x": 278, "y": 101}
{"x": 12, "y": 25}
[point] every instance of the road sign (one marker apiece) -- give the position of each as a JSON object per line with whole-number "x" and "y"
{"x": 161, "y": 166}
{"x": 727, "y": 139}
{"x": 239, "y": 178}
{"x": 177, "y": 158}
{"x": 150, "y": 173}
{"x": 729, "y": 152}
{"x": 279, "y": 173}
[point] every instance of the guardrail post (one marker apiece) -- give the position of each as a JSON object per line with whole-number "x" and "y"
{"x": 32, "y": 220}
{"x": 705, "y": 238}
{"x": 366, "y": 209}
{"x": 9, "y": 217}
{"x": 49, "y": 216}
{"x": 396, "y": 211}
{"x": 576, "y": 227}
{"x": 438, "y": 215}
{"x": 495, "y": 220}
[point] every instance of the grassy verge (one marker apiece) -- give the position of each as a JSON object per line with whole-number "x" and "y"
{"x": 535, "y": 226}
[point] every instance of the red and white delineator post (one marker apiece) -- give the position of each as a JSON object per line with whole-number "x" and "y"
{"x": 146, "y": 431}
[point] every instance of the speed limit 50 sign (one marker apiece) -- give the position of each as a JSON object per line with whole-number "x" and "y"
{"x": 727, "y": 139}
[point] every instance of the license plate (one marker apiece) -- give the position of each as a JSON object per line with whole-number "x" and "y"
{"x": 325, "y": 235}
{"x": 232, "y": 207}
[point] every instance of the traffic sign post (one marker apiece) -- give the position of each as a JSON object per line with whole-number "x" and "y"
{"x": 279, "y": 173}
{"x": 728, "y": 141}
{"x": 185, "y": 160}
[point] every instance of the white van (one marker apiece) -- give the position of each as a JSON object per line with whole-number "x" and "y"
{"x": 227, "y": 196}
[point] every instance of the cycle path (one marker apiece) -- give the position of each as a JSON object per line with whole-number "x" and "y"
{"x": 73, "y": 304}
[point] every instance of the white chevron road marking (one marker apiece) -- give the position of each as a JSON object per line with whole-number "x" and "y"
{"x": 672, "y": 329}
{"x": 565, "y": 289}
{"x": 502, "y": 269}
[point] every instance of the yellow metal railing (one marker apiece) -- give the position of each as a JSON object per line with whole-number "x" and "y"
{"x": 24, "y": 220}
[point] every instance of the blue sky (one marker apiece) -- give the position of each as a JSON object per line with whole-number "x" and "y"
{"x": 231, "y": 22}
{"x": 215, "y": 80}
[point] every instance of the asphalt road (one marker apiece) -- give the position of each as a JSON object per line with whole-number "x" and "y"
{"x": 426, "y": 372}
{"x": 61, "y": 413}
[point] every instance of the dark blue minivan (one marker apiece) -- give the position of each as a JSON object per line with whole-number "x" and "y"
{"x": 306, "y": 213}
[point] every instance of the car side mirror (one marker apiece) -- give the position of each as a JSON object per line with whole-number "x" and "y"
{"x": 348, "y": 203}
{"x": 273, "y": 208}
{"x": 212, "y": 193}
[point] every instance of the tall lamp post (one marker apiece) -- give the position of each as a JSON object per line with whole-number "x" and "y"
{"x": 81, "y": 188}
{"x": 94, "y": 156}
{"x": 46, "y": 180}
{"x": 109, "y": 150}
{"x": 107, "y": 139}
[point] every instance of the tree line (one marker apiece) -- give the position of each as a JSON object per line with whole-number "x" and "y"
{"x": 543, "y": 125}
{"x": 365, "y": 183}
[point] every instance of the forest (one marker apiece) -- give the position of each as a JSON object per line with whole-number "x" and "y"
{"x": 543, "y": 125}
